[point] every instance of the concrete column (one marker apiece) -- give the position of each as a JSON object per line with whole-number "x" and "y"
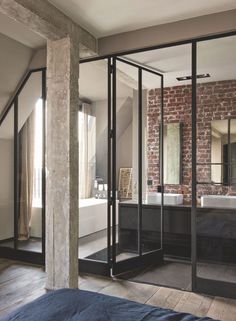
{"x": 62, "y": 164}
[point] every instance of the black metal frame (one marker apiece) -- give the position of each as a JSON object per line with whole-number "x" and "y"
{"x": 194, "y": 161}
{"x": 198, "y": 284}
{"x": 167, "y": 45}
{"x": 15, "y": 253}
{"x": 142, "y": 258}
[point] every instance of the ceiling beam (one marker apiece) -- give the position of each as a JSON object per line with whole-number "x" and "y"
{"x": 46, "y": 20}
{"x": 211, "y": 24}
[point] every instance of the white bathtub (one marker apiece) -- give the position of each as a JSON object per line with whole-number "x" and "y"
{"x": 92, "y": 217}
{"x": 169, "y": 198}
{"x": 223, "y": 201}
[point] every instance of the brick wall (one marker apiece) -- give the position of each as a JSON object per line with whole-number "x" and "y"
{"x": 215, "y": 100}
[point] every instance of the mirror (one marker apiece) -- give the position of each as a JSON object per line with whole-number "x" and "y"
{"x": 223, "y": 151}
{"x": 172, "y": 153}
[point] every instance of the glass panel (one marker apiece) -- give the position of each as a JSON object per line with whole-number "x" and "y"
{"x": 151, "y": 216}
{"x": 233, "y": 151}
{"x": 127, "y": 160}
{"x": 7, "y": 181}
{"x": 216, "y": 221}
{"x": 213, "y": 174}
{"x": 30, "y": 138}
{"x": 172, "y": 153}
{"x": 173, "y": 63}
{"x": 93, "y": 181}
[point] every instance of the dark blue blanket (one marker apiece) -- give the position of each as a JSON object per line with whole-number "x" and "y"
{"x": 78, "y": 305}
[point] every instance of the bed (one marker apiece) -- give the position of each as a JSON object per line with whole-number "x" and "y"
{"x": 78, "y": 305}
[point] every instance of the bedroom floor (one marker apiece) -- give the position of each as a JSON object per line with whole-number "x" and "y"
{"x": 177, "y": 274}
{"x": 21, "y": 283}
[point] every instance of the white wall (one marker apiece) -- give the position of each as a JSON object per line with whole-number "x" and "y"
{"x": 124, "y": 149}
{"x": 39, "y": 59}
{"x": 135, "y": 145}
{"x": 6, "y": 188}
{"x": 14, "y": 61}
{"x": 168, "y": 33}
{"x": 124, "y": 135}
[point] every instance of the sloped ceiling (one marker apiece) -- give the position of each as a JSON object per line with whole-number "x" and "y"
{"x": 14, "y": 60}
{"x": 20, "y": 33}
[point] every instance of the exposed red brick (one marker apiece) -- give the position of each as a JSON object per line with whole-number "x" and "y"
{"x": 215, "y": 100}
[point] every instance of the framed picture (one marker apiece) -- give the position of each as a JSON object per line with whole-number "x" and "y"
{"x": 125, "y": 183}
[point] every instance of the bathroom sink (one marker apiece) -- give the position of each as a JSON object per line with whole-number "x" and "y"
{"x": 223, "y": 201}
{"x": 169, "y": 198}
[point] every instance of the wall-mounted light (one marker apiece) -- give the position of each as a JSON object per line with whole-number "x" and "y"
{"x": 190, "y": 77}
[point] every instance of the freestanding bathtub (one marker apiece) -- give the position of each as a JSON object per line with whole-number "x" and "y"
{"x": 92, "y": 217}
{"x": 223, "y": 201}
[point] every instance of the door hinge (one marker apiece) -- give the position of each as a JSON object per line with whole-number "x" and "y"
{"x": 111, "y": 69}
{"x": 111, "y": 134}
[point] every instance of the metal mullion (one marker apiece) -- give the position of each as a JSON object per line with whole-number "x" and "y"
{"x": 162, "y": 162}
{"x": 229, "y": 153}
{"x": 194, "y": 162}
{"x": 44, "y": 94}
{"x": 114, "y": 160}
{"x": 109, "y": 161}
{"x": 140, "y": 161}
{"x": 138, "y": 65}
{"x": 16, "y": 173}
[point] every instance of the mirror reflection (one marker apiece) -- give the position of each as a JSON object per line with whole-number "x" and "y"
{"x": 223, "y": 151}
{"x": 172, "y": 153}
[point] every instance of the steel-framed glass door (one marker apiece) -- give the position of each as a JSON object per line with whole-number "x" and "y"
{"x": 213, "y": 167}
{"x": 135, "y": 239}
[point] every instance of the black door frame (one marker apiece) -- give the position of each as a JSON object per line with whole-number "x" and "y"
{"x": 154, "y": 256}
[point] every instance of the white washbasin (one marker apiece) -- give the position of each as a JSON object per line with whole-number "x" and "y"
{"x": 169, "y": 198}
{"x": 223, "y": 201}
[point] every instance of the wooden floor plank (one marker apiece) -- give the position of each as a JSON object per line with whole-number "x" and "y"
{"x": 129, "y": 290}
{"x": 166, "y": 298}
{"x": 22, "y": 283}
{"x": 223, "y": 309}
{"x": 194, "y": 303}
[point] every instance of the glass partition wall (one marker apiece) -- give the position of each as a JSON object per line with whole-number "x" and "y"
{"x": 93, "y": 126}
{"x": 170, "y": 174}
{"x": 22, "y": 171}
{"x": 157, "y": 137}
{"x": 166, "y": 163}
{"x": 215, "y": 170}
